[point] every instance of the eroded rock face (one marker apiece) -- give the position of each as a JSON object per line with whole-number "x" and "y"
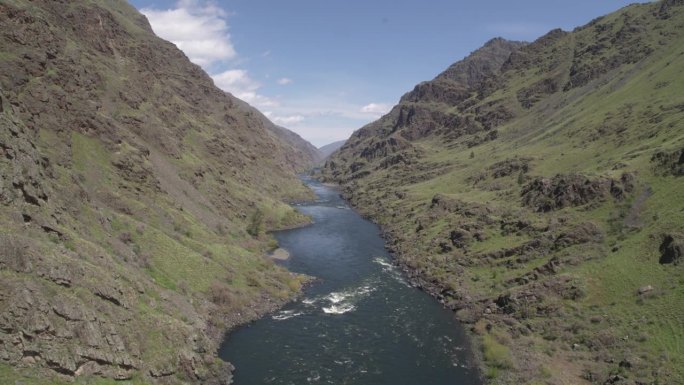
{"x": 457, "y": 206}
{"x": 382, "y": 149}
{"x": 583, "y": 233}
{"x": 549, "y": 194}
{"x": 591, "y": 60}
{"x": 24, "y": 169}
{"x": 509, "y": 167}
{"x": 669, "y": 163}
{"x": 78, "y": 321}
{"x": 63, "y": 332}
{"x": 531, "y": 95}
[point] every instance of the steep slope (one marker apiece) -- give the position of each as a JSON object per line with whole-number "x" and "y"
{"x": 330, "y": 148}
{"x": 300, "y": 147}
{"x": 542, "y": 198}
{"x": 300, "y": 152}
{"x": 134, "y": 196}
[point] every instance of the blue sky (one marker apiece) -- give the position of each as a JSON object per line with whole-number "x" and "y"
{"x": 324, "y": 68}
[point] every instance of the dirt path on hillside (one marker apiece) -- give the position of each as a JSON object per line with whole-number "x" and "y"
{"x": 633, "y": 218}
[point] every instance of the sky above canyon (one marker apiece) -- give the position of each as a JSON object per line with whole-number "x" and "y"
{"x": 324, "y": 68}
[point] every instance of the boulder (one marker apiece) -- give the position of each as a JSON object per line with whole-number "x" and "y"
{"x": 645, "y": 289}
{"x": 615, "y": 379}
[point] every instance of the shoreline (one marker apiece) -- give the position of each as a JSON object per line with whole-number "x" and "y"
{"x": 259, "y": 309}
{"x": 421, "y": 283}
{"x": 416, "y": 281}
{"x": 473, "y": 359}
{"x": 233, "y": 321}
{"x": 291, "y": 227}
{"x": 480, "y": 317}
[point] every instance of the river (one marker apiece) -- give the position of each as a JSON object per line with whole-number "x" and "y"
{"x": 361, "y": 323}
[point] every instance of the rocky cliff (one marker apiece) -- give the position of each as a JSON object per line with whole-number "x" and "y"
{"x": 134, "y": 196}
{"x": 536, "y": 190}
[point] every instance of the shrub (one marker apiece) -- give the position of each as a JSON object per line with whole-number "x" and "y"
{"x": 221, "y": 295}
{"x": 496, "y": 355}
{"x": 256, "y": 223}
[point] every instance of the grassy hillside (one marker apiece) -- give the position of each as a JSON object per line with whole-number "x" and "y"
{"x": 134, "y": 202}
{"x": 537, "y": 190}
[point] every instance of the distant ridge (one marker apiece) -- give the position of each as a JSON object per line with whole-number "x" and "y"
{"x": 329, "y": 148}
{"x": 298, "y": 146}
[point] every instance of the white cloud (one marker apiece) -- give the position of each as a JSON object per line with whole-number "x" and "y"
{"x": 321, "y": 135}
{"x": 284, "y": 81}
{"x": 376, "y": 108}
{"x": 288, "y": 120}
{"x": 201, "y": 29}
{"x": 322, "y": 107}
{"x": 198, "y": 28}
{"x": 284, "y": 120}
{"x": 239, "y": 83}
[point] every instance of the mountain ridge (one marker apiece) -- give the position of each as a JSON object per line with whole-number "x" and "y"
{"x": 135, "y": 197}
{"x": 538, "y": 204}
{"x": 330, "y": 148}
{"x": 300, "y": 146}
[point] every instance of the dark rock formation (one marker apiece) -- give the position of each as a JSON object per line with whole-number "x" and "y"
{"x": 582, "y": 233}
{"x": 509, "y": 167}
{"x": 669, "y": 163}
{"x": 671, "y": 249}
{"x": 544, "y": 194}
{"x": 330, "y": 148}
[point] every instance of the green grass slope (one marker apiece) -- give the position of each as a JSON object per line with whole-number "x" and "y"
{"x": 543, "y": 199}
{"x": 135, "y": 197}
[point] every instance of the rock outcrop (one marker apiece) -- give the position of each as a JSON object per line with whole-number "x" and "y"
{"x": 672, "y": 249}
{"x": 544, "y": 194}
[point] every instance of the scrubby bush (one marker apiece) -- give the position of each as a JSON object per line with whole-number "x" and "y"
{"x": 496, "y": 355}
{"x": 222, "y": 295}
{"x": 256, "y": 223}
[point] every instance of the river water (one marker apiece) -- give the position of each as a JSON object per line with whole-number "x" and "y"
{"x": 361, "y": 323}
